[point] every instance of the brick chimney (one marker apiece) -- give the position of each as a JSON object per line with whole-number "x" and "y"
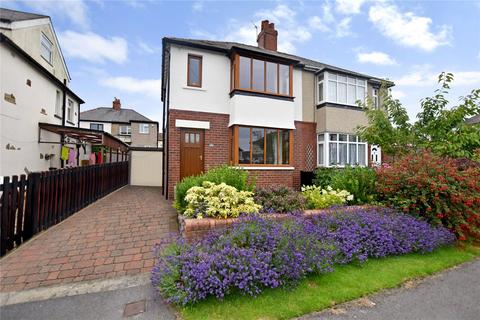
{"x": 116, "y": 104}
{"x": 267, "y": 38}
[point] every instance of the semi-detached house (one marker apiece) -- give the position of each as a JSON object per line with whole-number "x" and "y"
{"x": 272, "y": 113}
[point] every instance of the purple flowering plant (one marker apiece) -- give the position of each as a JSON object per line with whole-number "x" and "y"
{"x": 260, "y": 252}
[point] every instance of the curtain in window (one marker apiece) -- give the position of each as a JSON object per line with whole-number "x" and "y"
{"x": 272, "y": 146}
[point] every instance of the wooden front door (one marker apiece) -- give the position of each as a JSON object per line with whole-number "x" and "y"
{"x": 191, "y": 152}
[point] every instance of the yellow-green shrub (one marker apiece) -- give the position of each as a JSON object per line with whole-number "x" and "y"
{"x": 218, "y": 201}
{"x": 318, "y": 198}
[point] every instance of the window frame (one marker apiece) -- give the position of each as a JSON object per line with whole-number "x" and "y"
{"x": 70, "y": 111}
{"x": 143, "y": 125}
{"x": 326, "y": 84}
{"x": 235, "y": 78}
{"x": 326, "y": 149}
{"x": 235, "y": 147}
{"x": 49, "y": 47}
{"x": 200, "y": 70}
{"x": 376, "y": 101}
{"x": 127, "y": 132}
{"x": 98, "y": 125}
{"x": 58, "y": 103}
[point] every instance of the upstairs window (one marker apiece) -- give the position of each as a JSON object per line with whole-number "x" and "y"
{"x": 194, "y": 72}
{"x": 70, "y": 110}
{"x": 342, "y": 89}
{"x": 58, "y": 104}
{"x": 125, "y": 130}
{"x": 96, "y": 126}
{"x": 257, "y": 75}
{"x": 144, "y": 128}
{"x": 46, "y": 48}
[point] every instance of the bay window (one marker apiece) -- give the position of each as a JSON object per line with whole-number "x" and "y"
{"x": 338, "y": 149}
{"x": 261, "y": 146}
{"x": 258, "y": 75}
{"x": 342, "y": 89}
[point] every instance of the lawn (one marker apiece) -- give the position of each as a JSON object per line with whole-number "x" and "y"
{"x": 315, "y": 293}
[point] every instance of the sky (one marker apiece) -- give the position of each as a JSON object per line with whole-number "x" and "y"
{"x": 113, "y": 48}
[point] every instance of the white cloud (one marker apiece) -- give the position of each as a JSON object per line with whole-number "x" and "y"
{"x": 328, "y": 23}
{"x": 375, "y": 57}
{"x": 148, "y": 87}
{"x": 398, "y": 94}
{"x": 74, "y": 10}
{"x": 407, "y": 28}
{"x": 146, "y": 48}
{"x": 349, "y": 7}
{"x": 428, "y": 77}
{"x": 93, "y": 47}
{"x": 197, "y": 6}
{"x": 290, "y": 30}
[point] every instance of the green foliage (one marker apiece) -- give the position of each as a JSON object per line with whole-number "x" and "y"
{"x": 323, "y": 176}
{"x": 231, "y": 176}
{"x": 440, "y": 128}
{"x": 318, "y": 198}
{"x": 359, "y": 181}
{"x": 218, "y": 201}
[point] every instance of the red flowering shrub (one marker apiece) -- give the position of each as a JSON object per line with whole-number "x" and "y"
{"x": 433, "y": 187}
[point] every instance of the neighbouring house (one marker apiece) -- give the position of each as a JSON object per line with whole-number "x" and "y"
{"x": 275, "y": 114}
{"x": 160, "y": 140}
{"x": 473, "y": 120}
{"x": 127, "y": 125}
{"x": 35, "y": 96}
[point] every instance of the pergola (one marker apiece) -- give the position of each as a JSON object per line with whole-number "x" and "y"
{"x": 94, "y": 137}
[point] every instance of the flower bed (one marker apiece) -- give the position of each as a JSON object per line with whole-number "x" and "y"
{"x": 193, "y": 230}
{"x": 259, "y": 252}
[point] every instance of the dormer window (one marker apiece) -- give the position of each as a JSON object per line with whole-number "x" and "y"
{"x": 340, "y": 88}
{"x": 262, "y": 76}
{"x": 46, "y": 48}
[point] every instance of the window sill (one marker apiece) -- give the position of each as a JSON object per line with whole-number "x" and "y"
{"x": 195, "y": 88}
{"x": 253, "y": 167}
{"x": 338, "y": 105}
{"x": 260, "y": 94}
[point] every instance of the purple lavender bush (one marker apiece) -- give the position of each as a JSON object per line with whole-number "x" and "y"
{"x": 259, "y": 252}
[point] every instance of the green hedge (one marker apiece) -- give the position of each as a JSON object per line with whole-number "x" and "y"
{"x": 231, "y": 176}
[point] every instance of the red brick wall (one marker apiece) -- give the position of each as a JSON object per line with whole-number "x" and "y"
{"x": 216, "y": 142}
{"x": 305, "y": 149}
{"x": 217, "y": 149}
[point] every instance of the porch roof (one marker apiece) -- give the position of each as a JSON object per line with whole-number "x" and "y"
{"x": 88, "y": 135}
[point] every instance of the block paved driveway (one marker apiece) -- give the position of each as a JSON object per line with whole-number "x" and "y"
{"x": 112, "y": 237}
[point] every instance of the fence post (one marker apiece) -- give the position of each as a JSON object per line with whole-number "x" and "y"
{"x": 5, "y": 188}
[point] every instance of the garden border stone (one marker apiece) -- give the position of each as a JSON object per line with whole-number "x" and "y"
{"x": 195, "y": 229}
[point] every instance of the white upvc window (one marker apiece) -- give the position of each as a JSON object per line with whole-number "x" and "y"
{"x": 70, "y": 110}
{"x": 340, "y": 88}
{"x": 125, "y": 130}
{"x": 339, "y": 149}
{"x": 376, "y": 103}
{"x": 46, "y": 48}
{"x": 144, "y": 128}
{"x": 58, "y": 103}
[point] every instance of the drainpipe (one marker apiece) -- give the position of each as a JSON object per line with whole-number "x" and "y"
{"x": 62, "y": 136}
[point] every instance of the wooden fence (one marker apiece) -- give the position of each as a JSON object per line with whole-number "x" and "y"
{"x": 31, "y": 204}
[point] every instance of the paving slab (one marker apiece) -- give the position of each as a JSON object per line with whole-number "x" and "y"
{"x": 112, "y": 237}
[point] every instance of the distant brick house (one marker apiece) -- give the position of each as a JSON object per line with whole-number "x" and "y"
{"x": 127, "y": 125}
{"x": 272, "y": 113}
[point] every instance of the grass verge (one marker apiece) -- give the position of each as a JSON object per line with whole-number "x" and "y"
{"x": 318, "y": 292}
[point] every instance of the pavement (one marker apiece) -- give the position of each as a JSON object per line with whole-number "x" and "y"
{"x": 120, "y": 298}
{"x": 450, "y": 295}
{"x": 113, "y": 237}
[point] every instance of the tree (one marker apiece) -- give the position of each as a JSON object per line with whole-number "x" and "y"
{"x": 438, "y": 128}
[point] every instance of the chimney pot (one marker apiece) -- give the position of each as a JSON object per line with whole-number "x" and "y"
{"x": 267, "y": 38}
{"x": 116, "y": 104}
